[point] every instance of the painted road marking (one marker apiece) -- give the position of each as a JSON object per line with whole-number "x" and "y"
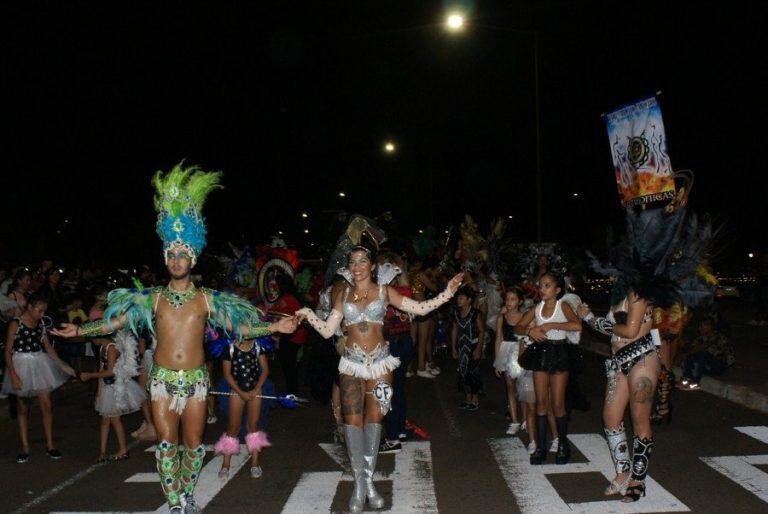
{"x": 208, "y": 485}
{"x": 313, "y": 493}
{"x": 57, "y": 489}
{"x": 759, "y": 433}
{"x": 413, "y": 487}
{"x": 208, "y": 448}
{"x": 142, "y": 478}
{"x": 534, "y": 493}
{"x": 741, "y": 468}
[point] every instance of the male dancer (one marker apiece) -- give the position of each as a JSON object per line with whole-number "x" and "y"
{"x": 178, "y": 314}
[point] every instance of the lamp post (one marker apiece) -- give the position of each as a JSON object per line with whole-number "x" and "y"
{"x": 454, "y": 23}
{"x": 539, "y": 211}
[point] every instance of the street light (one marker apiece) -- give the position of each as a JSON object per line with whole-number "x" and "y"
{"x": 342, "y": 194}
{"x": 454, "y": 22}
{"x": 389, "y": 147}
{"x": 304, "y": 215}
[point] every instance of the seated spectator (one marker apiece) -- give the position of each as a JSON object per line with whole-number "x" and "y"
{"x": 713, "y": 357}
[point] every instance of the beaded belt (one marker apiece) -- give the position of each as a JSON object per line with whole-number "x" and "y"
{"x": 179, "y": 382}
{"x": 625, "y": 359}
{"x": 359, "y": 356}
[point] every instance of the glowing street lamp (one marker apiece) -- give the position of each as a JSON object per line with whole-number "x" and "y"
{"x": 389, "y": 147}
{"x": 304, "y": 215}
{"x": 454, "y": 22}
{"x": 342, "y": 194}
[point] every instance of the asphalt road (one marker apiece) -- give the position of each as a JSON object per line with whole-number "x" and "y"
{"x": 705, "y": 461}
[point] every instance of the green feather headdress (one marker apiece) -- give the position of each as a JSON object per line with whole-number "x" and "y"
{"x": 179, "y": 198}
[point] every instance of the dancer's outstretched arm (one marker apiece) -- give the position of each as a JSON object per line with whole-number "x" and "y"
{"x": 94, "y": 328}
{"x": 598, "y": 324}
{"x": 233, "y": 314}
{"x": 325, "y": 328}
{"x": 410, "y": 306}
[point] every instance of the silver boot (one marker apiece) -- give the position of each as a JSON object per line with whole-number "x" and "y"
{"x": 355, "y": 442}
{"x": 372, "y": 440}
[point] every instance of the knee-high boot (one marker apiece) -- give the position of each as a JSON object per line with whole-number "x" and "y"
{"x": 372, "y": 440}
{"x": 540, "y": 455}
{"x": 168, "y": 463}
{"x": 355, "y": 450}
{"x": 563, "y": 448}
{"x": 662, "y": 407}
{"x": 617, "y": 444}
{"x": 641, "y": 454}
{"x": 191, "y": 463}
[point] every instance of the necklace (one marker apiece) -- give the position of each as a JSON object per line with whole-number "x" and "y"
{"x": 356, "y": 297}
{"x": 177, "y": 299}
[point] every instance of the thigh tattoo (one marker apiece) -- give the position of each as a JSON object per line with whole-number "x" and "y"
{"x": 351, "y": 395}
{"x": 643, "y": 390}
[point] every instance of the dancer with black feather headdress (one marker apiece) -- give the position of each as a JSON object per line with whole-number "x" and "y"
{"x": 658, "y": 263}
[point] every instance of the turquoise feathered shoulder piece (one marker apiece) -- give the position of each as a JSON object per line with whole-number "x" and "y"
{"x": 135, "y": 304}
{"x": 231, "y": 313}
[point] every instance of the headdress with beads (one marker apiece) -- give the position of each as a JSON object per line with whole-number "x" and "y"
{"x": 179, "y": 198}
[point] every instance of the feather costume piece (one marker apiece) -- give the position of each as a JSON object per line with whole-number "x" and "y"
{"x": 664, "y": 255}
{"x": 135, "y": 304}
{"x": 126, "y": 367}
{"x": 179, "y": 198}
{"x": 230, "y": 313}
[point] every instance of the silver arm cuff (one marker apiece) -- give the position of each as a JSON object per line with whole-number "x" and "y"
{"x": 420, "y": 308}
{"x": 325, "y": 328}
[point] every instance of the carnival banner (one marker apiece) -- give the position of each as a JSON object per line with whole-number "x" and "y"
{"x": 639, "y": 151}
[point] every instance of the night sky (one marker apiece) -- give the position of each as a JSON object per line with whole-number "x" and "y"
{"x": 294, "y": 100}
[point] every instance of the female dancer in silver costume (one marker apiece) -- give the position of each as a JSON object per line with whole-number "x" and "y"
{"x": 366, "y": 366}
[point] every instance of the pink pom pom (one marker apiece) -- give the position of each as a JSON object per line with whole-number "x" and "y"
{"x": 257, "y": 441}
{"x": 227, "y": 445}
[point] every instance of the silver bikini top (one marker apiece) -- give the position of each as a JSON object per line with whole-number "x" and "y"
{"x": 373, "y": 312}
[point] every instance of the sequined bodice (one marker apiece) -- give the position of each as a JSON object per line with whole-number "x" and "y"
{"x": 373, "y": 312}
{"x": 27, "y": 340}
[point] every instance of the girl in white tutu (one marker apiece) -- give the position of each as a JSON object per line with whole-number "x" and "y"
{"x": 507, "y": 349}
{"x": 33, "y": 369}
{"x": 147, "y": 344}
{"x": 118, "y": 392}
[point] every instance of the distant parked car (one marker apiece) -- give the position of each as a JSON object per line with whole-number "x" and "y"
{"x": 726, "y": 291}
